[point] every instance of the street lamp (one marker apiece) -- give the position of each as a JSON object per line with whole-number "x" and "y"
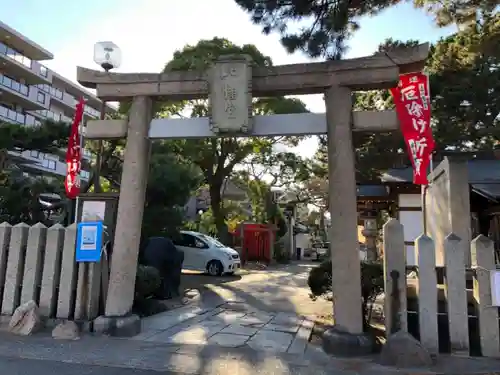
{"x": 108, "y": 56}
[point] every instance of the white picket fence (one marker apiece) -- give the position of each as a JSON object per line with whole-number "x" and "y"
{"x": 38, "y": 263}
{"x": 455, "y": 291}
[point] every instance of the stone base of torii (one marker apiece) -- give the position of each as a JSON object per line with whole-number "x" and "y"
{"x": 335, "y": 79}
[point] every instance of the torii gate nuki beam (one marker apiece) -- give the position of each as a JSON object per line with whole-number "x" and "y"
{"x": 335, "y": 79}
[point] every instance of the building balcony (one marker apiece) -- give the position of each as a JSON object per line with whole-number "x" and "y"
{"x": 13, "y": 91}
{"x": 46, "y": 114}
{"x": 15, "y": 64}
{"x": 39, "y": 163}
{"x": 9, "y": 115}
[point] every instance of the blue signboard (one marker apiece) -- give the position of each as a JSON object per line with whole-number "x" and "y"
{"x": 89, "y": 241}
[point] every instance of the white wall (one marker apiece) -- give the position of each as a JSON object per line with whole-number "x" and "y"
{"x": 412, "y": 223}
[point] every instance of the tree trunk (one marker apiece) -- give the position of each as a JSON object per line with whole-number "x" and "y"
{"x": 218, "y": 212}
{"x": 3, "y": 159}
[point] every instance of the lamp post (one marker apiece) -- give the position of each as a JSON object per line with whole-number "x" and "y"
{"x": 108, "y": 56}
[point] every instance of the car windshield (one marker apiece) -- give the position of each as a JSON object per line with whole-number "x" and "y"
{"x": 212, "y": 240}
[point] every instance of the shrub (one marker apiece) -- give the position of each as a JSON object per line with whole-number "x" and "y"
{"x": 280, "y": 253}
{"x": 372, "y": 284}
{"x": 147, "y": 282}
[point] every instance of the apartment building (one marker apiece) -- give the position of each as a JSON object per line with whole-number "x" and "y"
{"x": 30, "y": 93}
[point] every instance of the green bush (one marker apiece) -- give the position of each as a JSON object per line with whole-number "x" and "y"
{"x": 280, "y": 253}
{"x": 372, "y": 284}
{"x": 147, "y": 282}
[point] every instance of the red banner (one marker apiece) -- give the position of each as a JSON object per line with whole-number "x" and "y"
{"x": 413, "y": 106}
{"x": 74, "y": 154}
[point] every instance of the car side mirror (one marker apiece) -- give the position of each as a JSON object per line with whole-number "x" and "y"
{"x": 199, "y": 245}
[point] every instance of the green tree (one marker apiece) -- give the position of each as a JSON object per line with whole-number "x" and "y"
{"x": 464, "y": 78}
{"x": 20, "y": 195}
{"x": 218, "y": 157}
{"x": 172, "y": 180}
{"x": 327, "y": 25}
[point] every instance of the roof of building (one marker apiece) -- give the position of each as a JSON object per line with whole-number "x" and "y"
{"x": 484, "y": 176}
{"x": 480, "y": 171}
{"x": 23, "y": 44}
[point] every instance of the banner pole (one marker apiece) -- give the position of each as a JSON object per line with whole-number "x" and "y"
{"x": 77, "y": 200}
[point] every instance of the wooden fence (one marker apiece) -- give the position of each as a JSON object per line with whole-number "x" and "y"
{"x": 448, "y": 315}
{"x": 38, "y": 263}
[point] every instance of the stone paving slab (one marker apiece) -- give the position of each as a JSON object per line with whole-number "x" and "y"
{"x": 228, "y": 340}
{"x": 271, "y": 341}
{"x": 281, "y": 328}
{"x": 236, "y": 329}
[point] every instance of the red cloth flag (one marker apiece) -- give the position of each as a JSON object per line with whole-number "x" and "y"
{"x": 74, "y": 154}
{"x": 413, "y": 106}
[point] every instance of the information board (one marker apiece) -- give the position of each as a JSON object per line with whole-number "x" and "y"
{"x": 89, "y": 241}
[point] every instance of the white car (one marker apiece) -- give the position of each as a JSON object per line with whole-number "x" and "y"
{"x": 206, "y": 254}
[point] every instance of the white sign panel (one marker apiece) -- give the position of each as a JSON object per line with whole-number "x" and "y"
{"x": 412, "y": 224}
{"x": 495, "y": 287}
{"x": 93, "y": 210}
{"x": 230, "y": 96}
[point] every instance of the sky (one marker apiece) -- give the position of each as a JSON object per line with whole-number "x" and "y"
{"x": 149, "y": 31}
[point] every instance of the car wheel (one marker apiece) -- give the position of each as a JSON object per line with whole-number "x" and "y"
{"x": 214, "y": 268}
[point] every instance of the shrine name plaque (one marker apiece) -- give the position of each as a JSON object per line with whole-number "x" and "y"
{"x": 230, "y": 95}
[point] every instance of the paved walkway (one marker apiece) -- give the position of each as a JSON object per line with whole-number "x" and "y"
{"x": 281, "y": 288}
{"x": 261, "y": 309}
{"x": 230, "y": 325}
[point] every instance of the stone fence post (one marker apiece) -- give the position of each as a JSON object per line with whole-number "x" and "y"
{"x": 455, "y": 250}
{"x": 483, "y": 261}
{"x": 394, "y": 260}
{"x": 5, "y": 231}
{"x": 51, "y": 270}
{"x": 67, "y": 284}
{"x": 427, "y": 293}
{"x": 15, "y": 268}
{"x": 33, "y": 264}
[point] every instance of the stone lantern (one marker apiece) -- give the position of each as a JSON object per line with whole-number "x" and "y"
{"x": 370, "y": 232}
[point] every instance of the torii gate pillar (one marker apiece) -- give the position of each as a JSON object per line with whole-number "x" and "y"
{"x": 343, "y": 238}
{"x": 120, "y": 297}
{"x": 130, "y": 209}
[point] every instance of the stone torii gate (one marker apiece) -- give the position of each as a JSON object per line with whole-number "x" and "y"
{"x": 230, "y": 85}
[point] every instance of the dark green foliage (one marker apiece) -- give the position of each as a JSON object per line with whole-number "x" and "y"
{"x": 327, "y": 25}
{"x": 19, "y": 195}
{"x": 19, "y": 199}
{"x": 49, "y": 137}
{"x": 147, "y": 282}
{"x": 172, "y": 181}
{"x": 464, "y": 80}
{"x": 372, "y": 284}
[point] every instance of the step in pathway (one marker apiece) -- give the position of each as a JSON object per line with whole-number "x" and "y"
{"x": 229, "y": 326}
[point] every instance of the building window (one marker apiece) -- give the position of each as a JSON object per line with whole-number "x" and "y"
{"x": 85, "y": 174}
{"x": 35, "y": 154}
{"x": 50, "y": 157}
{"x": 44, "y": 72}
{"x": 40, "y": 97}
{"x": 49, "y": 164}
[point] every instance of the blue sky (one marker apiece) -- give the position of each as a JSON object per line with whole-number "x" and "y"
{"x": 149, "y": 31}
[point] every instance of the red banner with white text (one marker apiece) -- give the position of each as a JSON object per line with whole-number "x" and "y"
{"x": 74, "y": 154}
{"x": 412, "y": 101}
